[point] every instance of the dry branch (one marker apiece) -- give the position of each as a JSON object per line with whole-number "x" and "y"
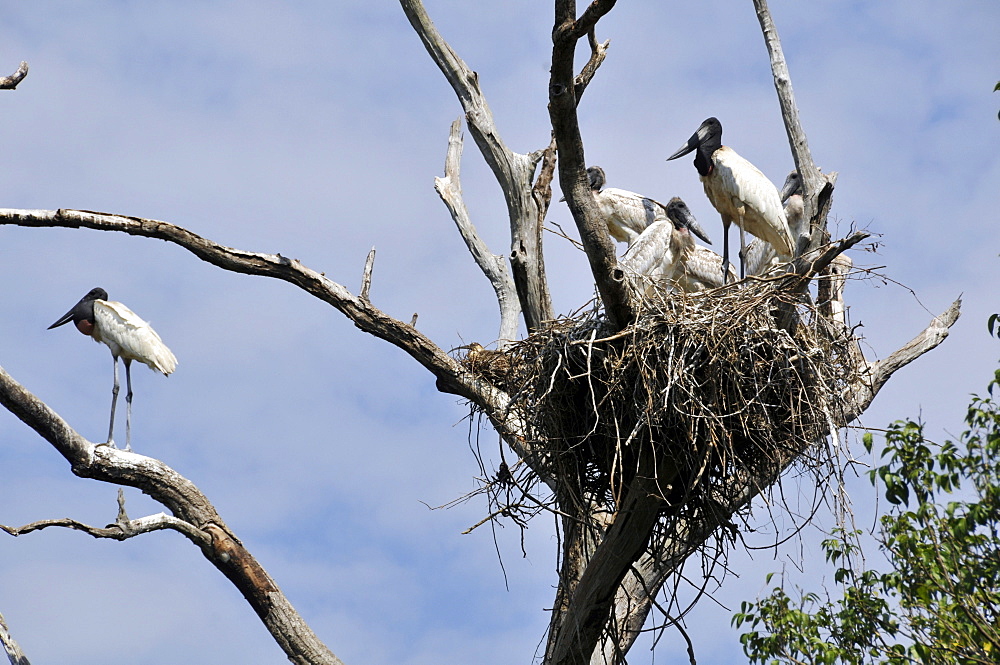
{"x": 449, "y": 188}
{"x": 366, "y": 277}
{"x": 513, "y": 171}
{"x": 10, "y": 82}
{"x": 164, "y": 485}
{"x": 451, "y": 376}
{"x": 122, "y": 528}
{"x": 572, "y": 170}
{"x": 812, "y": 180}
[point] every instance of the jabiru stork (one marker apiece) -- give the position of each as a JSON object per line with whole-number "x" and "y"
{"x": 129, "y": 338}
{"x": 666, "y": 251}
{"x": 760, "y": 256}
{"x": 626, "y": 213}
{"x": 739, "y": 192}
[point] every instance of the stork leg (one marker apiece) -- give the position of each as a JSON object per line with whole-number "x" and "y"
{"x": 128, "y": 403}
{"x": 725, "y": 252}
{"x": 743, "y": 249}
{"x": 114, "y": 403}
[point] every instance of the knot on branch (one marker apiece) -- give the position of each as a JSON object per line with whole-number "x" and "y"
{"x": 231, "y": 552}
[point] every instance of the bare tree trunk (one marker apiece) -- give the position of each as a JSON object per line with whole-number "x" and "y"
{"x": 572, "y": 168}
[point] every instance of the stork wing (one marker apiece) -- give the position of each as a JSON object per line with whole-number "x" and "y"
{"x": 760, "y": 257}
{"x": 701, "y": 271}
{"x": 651, "y": 254}
{"x": 764, "y": 216}
{"x": 120, "y": 327}
{"x": 628, "y": 214}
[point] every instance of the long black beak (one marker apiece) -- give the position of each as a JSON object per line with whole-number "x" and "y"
{"x": 696, "y": 229}
{"x": 690, "y": 146}
{"x": 84, "y": 308}
{"x": 679, "y": 213}
{"x": 64, "y": 319}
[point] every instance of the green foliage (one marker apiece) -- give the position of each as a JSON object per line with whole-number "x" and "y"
{"x": 941, "y": 601}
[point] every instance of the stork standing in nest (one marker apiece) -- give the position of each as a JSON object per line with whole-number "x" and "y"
{"x": 739, "y": 191}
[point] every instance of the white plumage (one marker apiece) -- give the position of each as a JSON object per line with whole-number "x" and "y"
{"x": 666, "y": 252}
{"x": 738, "y": 191}
{"x": 760, "y": 257}
{"x": 702, "y": 271}
{"x": 130, "y": 338}
{"x": 626, "y": 213}
{"x": 652, "y": 257}
{"x": 127, "y": 336}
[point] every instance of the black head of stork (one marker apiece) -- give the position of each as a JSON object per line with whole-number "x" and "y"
{"x": 706, "y": 140}
{"x": 792, "y": 186}
{"x": 82, "y": 313}
{"x": 595, "y": 178}
{"x": 681, "y": 216}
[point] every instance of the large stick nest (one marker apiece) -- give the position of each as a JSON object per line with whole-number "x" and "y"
{"x": 701, "y": 387}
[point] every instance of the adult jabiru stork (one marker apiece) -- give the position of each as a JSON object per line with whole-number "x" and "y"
{"x": 739, "y": 191}
{"x": 129, "y": 338}
{"x": 626, "y": 213}
{"x": 666, "y": 252}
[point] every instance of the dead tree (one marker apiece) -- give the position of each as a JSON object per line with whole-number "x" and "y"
{"x": 646, "y": 425}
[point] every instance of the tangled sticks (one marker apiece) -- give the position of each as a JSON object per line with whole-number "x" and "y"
{"x": 701, "y": 387}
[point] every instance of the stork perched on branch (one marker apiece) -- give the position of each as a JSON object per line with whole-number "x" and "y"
{"x": 129, "y": 338}
{"x": 626, "y": 213}
{"x": 666, "y": 251}
{"x": 739, "y": 191}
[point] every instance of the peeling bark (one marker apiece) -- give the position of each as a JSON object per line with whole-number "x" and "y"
{"x": 14, "y": 653}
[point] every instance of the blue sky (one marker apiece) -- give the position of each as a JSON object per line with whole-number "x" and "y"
{"x": 315, "y": 130}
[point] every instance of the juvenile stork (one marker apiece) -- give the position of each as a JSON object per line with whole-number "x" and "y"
{"x": 626, "y": 213}
{"x": 760, "y": 256}
{"x": 129, "y": 338}
{"x": 702, "y": 271}
{"x": 666, "y": 252}
{"x": 739, "y": 191}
